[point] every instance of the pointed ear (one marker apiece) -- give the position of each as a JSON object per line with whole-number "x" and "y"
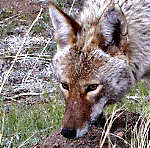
{"x": 113, "y": 26}
{"x": 65, "y": 26}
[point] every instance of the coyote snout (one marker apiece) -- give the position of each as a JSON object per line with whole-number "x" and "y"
{"x": 79, "y": 101}
{"x": 100, "y": 57}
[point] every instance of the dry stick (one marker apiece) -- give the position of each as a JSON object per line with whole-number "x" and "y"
{"x": 16, "y": 15}
{"x": 2, "y": 128}
{"x": 11, "y": 140}
{"x": 23, "y": 94}
{"x": 29, "y": 56}
{"x": 37, "y": 59}
{"x": 106, "y": 133}
{"x": 27, "y": 140}
{"x": 126, "y": 142}
{"x": 71, "y": 7}
{"x": 19, "y": 50}
{"x": 107, "y": 130}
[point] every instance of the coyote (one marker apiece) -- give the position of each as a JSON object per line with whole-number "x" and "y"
{"x": 100, "y": 57}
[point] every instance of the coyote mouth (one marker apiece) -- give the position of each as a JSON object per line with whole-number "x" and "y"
{"x": 74, "y": 134}
{"x": 83, "y": 131}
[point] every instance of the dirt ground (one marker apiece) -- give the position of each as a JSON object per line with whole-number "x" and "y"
{"x": 119, "y": 134}
{"x": 20, "y": 5}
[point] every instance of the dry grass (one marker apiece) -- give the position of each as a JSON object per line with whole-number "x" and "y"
{"x": 19, "y": 50}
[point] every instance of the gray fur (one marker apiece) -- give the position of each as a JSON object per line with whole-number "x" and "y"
{"x": 137, "y": 14}
{"x": 118, "y": 72}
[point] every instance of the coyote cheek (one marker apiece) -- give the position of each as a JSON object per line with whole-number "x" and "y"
{"x": 76, "y": 117}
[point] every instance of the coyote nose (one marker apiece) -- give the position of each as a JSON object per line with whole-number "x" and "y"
{"x": 68, "y": 133}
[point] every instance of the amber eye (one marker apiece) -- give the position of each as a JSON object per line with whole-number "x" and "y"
{"x": 91, "y": 87}
{"x": 65, "y": 86}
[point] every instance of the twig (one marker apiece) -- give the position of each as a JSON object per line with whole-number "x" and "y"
{"x": 37, "y": 59}
{"x": 23, "y": 143}
{"x": 10, "y": 142}
{"x": 2, "y": 128}
{"x": 30, "y": 55}
{"x": 16, "y": 15}
{"x": 24, "y": 94}
{"x": 5, "y": 20}
{"x": 107, "y": 130}
{"x": 71, "y": 7}
{"x": 126, "y": 142}
{"x": 19, "y": 50}
{"x": 134, "y": 98}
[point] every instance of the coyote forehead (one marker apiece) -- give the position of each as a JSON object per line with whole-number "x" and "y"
{"x": 84, "y": 58}
{"x": 77, "y": 63}
{"x": 76, "y": 66}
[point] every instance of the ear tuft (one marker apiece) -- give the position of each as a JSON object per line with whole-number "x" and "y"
{"x": 65, "y": 26}
{"x": 112, "y": 27}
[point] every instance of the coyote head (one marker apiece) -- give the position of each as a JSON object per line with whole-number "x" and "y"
{"x": 91, "y": 66}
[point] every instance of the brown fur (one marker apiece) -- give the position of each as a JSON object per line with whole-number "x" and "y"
{"x": 100, "y": 56}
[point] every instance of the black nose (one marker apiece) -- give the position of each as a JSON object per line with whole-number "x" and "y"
{"x": 68, "y": 133}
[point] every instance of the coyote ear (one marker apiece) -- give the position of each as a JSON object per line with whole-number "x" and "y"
{"x": 65, "y": 26}
{"x": 113, "y": 27}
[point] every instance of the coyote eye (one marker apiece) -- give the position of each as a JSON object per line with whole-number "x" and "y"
{"x": 65, "y": 86}
{"x": 91, "y": 87}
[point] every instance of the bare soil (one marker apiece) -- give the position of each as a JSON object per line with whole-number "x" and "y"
{"x": 20, "y": 5}
{"x": 120, "y": 134}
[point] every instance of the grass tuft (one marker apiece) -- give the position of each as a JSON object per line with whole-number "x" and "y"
{"x": 26, "y": 124}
